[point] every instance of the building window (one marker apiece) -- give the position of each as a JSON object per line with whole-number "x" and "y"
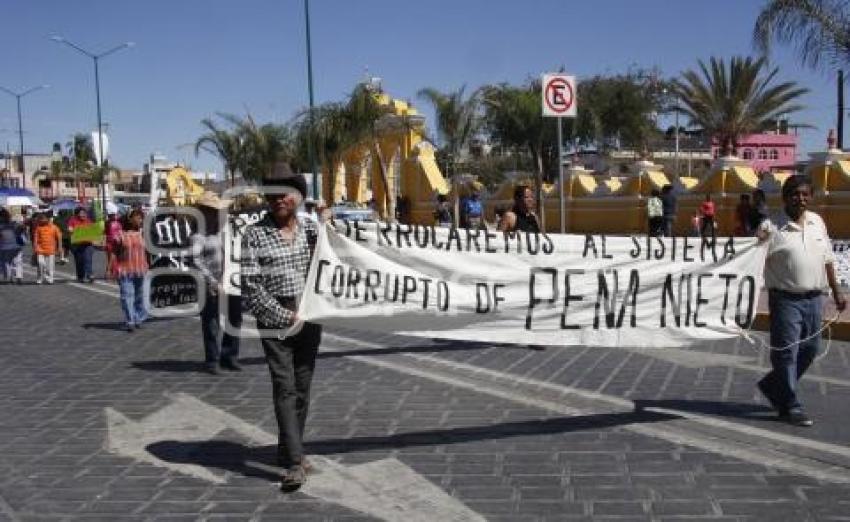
{"x": 762, "y": 154}
{"x": 748, "y": 154}
{"x": 774, "y": 154}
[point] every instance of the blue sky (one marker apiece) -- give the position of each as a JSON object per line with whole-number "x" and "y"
{"x": 193, "y": 58}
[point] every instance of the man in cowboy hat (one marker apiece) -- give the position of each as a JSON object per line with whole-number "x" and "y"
{"x": 208, "y": 254}
{"x": 276, "y": 254}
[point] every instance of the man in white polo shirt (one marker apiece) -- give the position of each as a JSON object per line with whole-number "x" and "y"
{"x": 798, "y": 268}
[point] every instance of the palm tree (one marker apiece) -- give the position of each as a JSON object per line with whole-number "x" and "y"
{"x": 820, "y": 28}
{"x": 729, "y": 102}
{"x": 81, "y": 150}
{"x": 329, "y": 128}
{"x": 225, "y": 144}
{"x": 366, "y": 116}
{"x": 262, "y": 146}
{"x": 515, "y": 118}
{"x": 457, "y": 122}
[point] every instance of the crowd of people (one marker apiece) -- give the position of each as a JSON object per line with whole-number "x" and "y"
{"x": 276, "y": 253}
{"x": 662, "y": 209}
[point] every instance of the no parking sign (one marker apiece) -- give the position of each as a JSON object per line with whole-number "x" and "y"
{"x": 559, "y": 95}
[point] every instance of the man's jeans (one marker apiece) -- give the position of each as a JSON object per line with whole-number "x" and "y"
{"x": 11, "y": 264}
{"x": 133, "y": 299}
{"x": 82, "y": 260}
{"x": 210, "y": 326}
{"x": 291, "y": 362}
{"x": 792, "y": 317}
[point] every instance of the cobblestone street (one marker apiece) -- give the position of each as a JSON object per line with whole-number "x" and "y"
{"x": 509, "y": 432}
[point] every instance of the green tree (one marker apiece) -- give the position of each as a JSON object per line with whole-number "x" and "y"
{"x": 514, "y": 116}
{"x": 618, "y": 111}
{"x": 729, "y": 101}
{"x": 56, "y": 166}
{"x": 457, "y": 122}
{"x": 224, "y": 143}
{"x": 819, "y": 28}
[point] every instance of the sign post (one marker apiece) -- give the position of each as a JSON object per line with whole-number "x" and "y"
{"x": 559, "y": 101}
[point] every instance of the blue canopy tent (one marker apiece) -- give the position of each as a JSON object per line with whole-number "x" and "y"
{"x": 18, "y": 197}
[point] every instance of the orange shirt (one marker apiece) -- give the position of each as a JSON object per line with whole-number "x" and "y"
{"x": 46, "y": 239}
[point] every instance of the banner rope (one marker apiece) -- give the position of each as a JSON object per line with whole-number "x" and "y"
{"x": 759, "y": 344}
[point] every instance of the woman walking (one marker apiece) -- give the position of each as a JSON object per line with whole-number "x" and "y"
{"x": 131, "y": 267}
{"x": 12, "y": 239}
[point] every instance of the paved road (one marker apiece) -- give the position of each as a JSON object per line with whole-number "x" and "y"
{"x": 508, "y": 432}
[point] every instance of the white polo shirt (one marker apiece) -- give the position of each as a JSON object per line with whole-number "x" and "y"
{"x": 797, "y": 254}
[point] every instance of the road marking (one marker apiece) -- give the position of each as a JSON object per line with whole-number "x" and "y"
{"x": 386, "y": 489}
{"x": 821, "y": 460}
{"x": 7, "y": 511}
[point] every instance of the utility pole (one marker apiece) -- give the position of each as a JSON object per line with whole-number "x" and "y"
{"x": 840, "y": 124}
{"x": 20, "y": 95}
{"x": 103, "y": 162}
{"x": 310, "y": 146}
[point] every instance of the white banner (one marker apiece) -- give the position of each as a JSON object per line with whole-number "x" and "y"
{"x": 533, "y": 288}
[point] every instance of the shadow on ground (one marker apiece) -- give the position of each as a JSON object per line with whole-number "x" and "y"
{"x": 122, "y": 326}
{"x": 221, "y": 454}
{"x": 486, "y": 432}
{"x": 737, "y": 410}
{"x": 439, "y": 347}
{"x": 242, "y": 459}
{"x": 182, "y": 366}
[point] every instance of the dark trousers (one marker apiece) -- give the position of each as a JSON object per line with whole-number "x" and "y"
{"x": 707, "y": 226}
{"x": 211, "y": 326}
{"x": 667, "y": 223}
{"x": 291, "y": 363}
{"x": 656, "y": 226}
{"x": 82, "y": 260}
{"x": 792, "y": 317}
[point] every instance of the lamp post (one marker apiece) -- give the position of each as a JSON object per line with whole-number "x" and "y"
{"x": 310, "y": 152}
{"x": 104, "y": 162}
{"x": 20, "y": 95}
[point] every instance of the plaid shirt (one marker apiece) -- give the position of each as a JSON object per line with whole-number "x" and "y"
{"x": 274, "y": 269}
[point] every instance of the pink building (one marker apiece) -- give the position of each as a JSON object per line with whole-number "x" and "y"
{"x": 765, "y": 152}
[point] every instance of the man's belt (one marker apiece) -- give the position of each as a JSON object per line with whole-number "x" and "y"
{"x": 796, "y": 295}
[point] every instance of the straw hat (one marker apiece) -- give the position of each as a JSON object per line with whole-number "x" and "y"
{"x": 211, "y": 200}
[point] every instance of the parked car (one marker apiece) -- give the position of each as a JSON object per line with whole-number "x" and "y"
{"x": 348, "y": 213}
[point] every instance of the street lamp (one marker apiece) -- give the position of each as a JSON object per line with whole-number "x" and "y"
{"x": 310, "y": 152}
{"x": 20, "y": 95}
{"x": 104, "y": 161}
